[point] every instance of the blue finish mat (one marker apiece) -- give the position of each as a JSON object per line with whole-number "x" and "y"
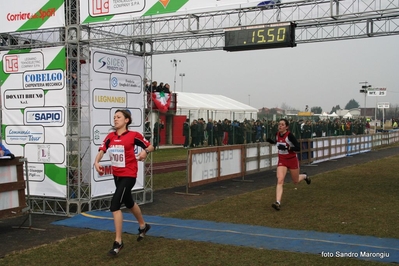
{"x": 325, "y": 244}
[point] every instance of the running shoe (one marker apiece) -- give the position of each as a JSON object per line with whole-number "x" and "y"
{"x": 276, "y": 206}
{"x": 142, "y": 232}
{"x": 307, "y": 179}
{"x": 115, "y": 249}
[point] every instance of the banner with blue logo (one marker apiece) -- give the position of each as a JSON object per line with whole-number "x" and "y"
{"x": 33, "y": 89}
{"x": 116, "y": 82}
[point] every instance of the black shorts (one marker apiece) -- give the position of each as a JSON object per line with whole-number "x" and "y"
{"x": 123, "y": 193}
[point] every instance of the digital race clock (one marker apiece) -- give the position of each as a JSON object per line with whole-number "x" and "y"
{"x": 260, "y": 37}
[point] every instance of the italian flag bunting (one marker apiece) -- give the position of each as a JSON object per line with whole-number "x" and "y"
{"x": 161, "y": 100}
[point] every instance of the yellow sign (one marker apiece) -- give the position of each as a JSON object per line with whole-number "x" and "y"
{"x": 305, "y": 113}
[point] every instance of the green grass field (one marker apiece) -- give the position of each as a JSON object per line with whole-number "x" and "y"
{"x": 361, "y": 199}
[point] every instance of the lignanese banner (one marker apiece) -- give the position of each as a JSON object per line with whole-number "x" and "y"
{"x": 116, "y": 82}
{"x": 100, "y": 11}
{"x": 23, "y": 15}
{"x": 33, "y": 90}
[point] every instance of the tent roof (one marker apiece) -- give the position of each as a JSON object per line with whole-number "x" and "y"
{"x": 333, "y": 115}
{"x": 348, "y": 115}
{"x": 200, "y": 101}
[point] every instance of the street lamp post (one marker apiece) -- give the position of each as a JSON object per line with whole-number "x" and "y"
{"x": 182, "y": 75}
{"x": 364, "y": 90}
{"x": 175, "y": 62}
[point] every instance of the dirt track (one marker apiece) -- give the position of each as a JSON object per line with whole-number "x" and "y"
{"x": 165, "y": 201}
{"x": 166, "y": 167}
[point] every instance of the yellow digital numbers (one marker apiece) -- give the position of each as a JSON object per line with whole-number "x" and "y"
{"x": 252, "y": 38}
{"x": 269, "y": 35}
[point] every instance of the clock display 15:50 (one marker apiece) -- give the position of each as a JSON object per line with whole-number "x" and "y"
{"x": 272, "y": 35}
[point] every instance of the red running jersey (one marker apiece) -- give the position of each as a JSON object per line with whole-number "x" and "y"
{"x": 122, "y": 151}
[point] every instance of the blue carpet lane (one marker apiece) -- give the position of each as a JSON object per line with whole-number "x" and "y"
{"x": 325, "y": 244}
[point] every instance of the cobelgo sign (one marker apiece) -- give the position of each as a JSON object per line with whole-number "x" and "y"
{"x": 49, "y": 79}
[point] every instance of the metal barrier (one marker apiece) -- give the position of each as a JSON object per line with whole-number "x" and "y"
{"x": 213, "y": 164}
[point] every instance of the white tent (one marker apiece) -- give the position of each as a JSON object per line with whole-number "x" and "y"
{"x": 348, "y": 115}
{"x": 216, "y": 107}
{"x": 333, "y": 115}
{"x": 324, "y": 115}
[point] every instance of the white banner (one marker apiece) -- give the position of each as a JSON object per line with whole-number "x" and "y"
{"x": 230, "y": 162}
{"x": 33, "y": 115}
{"x": 116, "y": 83}
{"x": 23, "y": 15}
{"x": 204, "y": 166}
{"x": 100, "y": 11}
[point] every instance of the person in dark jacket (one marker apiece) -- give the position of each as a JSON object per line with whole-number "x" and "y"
{"x": 194, "y": 134}
{"x": 158, "y": 126}
{"x": 147, "y": 131}
{"x": 186, "y": 133}
{"x": 209, "y": 132}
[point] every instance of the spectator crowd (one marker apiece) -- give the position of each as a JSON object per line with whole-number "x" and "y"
{"x": 227, "y": 132}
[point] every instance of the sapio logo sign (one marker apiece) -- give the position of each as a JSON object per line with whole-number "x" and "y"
{"x": 46, "y": 117}
{"x": 109, "y": 63}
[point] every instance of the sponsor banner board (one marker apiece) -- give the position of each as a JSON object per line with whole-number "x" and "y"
{"x": 19, "y": 134}
{"x": 47, "y": 79}
{"x": 34, "y": 116}
{"x": 204, "y": 166}
{"x": 45, "y": 153}
{"x": 107, "y": 99}
{"x": 115, "y": 83}
{"x": 19, "y": 63}
{"x": 18, "y": 99}
{"x": 36, "y": 171}
{"x": 23, "y": 15}
{"x": 100, "y": 132}
{"x": 100, "y": 11}
{"x": 54, "y": 116}
{"x": 109, "y": 63}
{"x": 130, "y": 83}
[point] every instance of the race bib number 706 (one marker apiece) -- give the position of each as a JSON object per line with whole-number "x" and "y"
{"x": 117, "y": 155}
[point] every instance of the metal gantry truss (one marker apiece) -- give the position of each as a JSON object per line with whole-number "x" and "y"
{"x": 316, "y": 20}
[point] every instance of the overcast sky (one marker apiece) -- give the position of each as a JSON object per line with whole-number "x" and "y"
{"x": 315, "y": 74}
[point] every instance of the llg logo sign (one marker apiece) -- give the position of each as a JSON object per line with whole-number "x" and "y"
{"x": 111, "y": 7}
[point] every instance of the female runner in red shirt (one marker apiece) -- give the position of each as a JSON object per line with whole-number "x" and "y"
{"x": 287, "y": 146}
{"x": 120, "y": 145}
